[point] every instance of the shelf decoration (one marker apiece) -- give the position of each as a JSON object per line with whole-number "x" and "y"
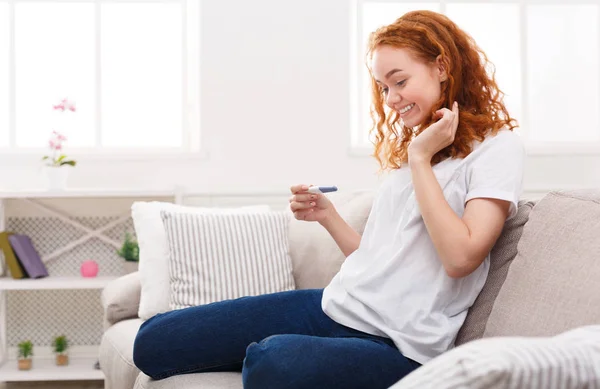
{"x": 55, "y": 165}
{"x": 60, "y": 345}
{"x": 25, "y": 349}
{"x": 130, "y": 252}
{"x": 89, "y": 269}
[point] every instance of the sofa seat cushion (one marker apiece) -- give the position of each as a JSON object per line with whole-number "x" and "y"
{"x": 228, "y": 380}
{"x": 116, "y": 354}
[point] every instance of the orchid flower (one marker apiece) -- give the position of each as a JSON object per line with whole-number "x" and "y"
{"x": 55, "y": 143}
{"x": 64, "y": 105}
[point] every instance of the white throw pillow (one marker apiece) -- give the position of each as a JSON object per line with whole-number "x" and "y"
{"x": 154, "y": 250}
{"x": 222, "y": 256}
{"x": 570, "y": 360}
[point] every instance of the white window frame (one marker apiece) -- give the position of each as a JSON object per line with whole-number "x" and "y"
{"x": 190, "y": 109}
{"x": 535, "y": 148}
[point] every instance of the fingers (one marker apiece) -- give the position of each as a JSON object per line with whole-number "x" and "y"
{"x": 304, "y": 197}
{"x": 302, "y": 203}
{"x": 448, "y": 115}
{"x": 299, "y": 205}
{"x": 455, "y": 116}
{"x": 298, "y": 188}
{"x": 444, "y": 114}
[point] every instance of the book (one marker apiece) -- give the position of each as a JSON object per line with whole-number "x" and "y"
{"x": 14, "y": 266}
{"x": 28, "y": 256}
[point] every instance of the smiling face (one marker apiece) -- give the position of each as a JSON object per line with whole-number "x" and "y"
{"x": 409, "y": 86}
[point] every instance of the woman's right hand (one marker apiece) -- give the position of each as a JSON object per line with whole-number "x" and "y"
{"x": 309, "y": 206}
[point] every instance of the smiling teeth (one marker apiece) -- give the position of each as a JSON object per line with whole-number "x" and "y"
{"x": 407, "y": 108}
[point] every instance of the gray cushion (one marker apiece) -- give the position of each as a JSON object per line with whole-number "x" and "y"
{"x": 316, "y": 258}
{"x": 502, "y": 255}
{"x": 193, "y": 381}
{"x": 552, "y": 285}
{"x": 116, "y": 354}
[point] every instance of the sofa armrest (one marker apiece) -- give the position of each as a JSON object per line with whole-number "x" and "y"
{"x": 121, "y": 299}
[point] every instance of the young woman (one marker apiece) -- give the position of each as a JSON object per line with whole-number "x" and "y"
{"x": 404, "y": 290}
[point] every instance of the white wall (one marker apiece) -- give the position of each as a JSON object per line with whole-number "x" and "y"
{"x": 275, "y": 111}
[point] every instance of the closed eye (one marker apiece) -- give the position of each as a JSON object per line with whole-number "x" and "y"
{"x": 385, "y": 90}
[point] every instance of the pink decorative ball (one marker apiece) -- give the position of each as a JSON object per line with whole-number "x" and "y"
{"x": 89, "y": 268}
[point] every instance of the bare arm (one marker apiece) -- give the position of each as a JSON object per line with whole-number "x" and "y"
{"x": 317, "y": 207}
{"x": 344, "y": 235}
{"x": 462, "y": 244}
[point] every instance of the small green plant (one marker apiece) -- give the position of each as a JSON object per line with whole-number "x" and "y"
{"x": 25, "y": 349}
{"x": 130, "y": 250}
{"x": 60, "y": 344}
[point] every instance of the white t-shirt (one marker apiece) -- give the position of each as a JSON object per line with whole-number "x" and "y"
{"x": 394, "y": 284}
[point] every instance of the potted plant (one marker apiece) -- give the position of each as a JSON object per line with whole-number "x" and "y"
{"x": 54, "y": 164}
{"x": 130, "y": 252}
{"x": 25, "y": 349}
{"x": 61, "y": 344}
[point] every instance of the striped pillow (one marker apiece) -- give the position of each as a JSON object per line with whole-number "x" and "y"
{"x": 220, "y": 256}
{"x": 570, "y": 360}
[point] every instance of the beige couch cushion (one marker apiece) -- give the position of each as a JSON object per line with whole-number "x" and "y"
{"x": 228, "y": 380}
{"x": 121, "y": 298}
{"x": 501, "y": 257}
{"x": 552, "y": 285}
{"x": 116, "y": 354}
{"x": 316, "y": 258}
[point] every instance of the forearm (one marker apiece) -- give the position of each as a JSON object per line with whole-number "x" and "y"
{"x": 344, "y": 235}
{"x": 450, "y": 235}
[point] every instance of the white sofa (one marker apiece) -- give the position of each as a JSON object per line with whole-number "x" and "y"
{"x": 316, "y": 259}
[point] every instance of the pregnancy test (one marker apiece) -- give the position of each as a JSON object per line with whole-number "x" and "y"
{"x": 322, "y": 189}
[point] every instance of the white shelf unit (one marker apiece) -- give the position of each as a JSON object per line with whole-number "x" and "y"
{"x": 81, "y": 364}
{"x": 56, "y": 283}
{"x": 44, "y": 368}
{"x": 81, "y": 358}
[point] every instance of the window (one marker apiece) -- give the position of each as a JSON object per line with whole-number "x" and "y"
{"x": 4, "y": 75}
{"x": 131, "y": 67}
{"x": 546, "y": 58}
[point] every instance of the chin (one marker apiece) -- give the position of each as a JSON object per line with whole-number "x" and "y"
{"x": 413, "y": 122}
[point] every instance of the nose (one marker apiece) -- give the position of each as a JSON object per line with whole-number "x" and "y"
{"x": 392, "y": 99}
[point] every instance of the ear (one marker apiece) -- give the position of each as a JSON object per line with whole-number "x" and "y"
{"x": 441, "y": 68}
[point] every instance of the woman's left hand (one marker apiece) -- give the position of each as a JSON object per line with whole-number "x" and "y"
{"x": 435, "y": 137}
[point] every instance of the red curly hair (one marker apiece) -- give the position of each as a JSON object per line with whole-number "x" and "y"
{"x": 427, "y": 35}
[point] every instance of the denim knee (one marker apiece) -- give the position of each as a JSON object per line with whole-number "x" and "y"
{"x": 143, "y": 348}
{"x": 264, "y": 367}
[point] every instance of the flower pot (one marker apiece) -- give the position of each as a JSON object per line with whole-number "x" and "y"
{"x": 25, "y": 364}
{"x": 56, "y": 177}
{"x": 130, "y": 266}
{"x": 62, "y": 359}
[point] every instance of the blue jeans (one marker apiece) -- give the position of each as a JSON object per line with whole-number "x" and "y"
{"x": 279, "y": 340}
